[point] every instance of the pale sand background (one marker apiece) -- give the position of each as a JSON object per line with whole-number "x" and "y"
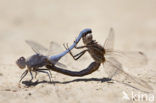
{"x": 61, "y": 21}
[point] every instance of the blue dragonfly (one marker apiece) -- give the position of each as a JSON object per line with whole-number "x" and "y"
{"x": 44, "y": 56}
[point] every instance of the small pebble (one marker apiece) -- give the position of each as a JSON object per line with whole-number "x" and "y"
{"x": 1, "y": 74}
{"x": 29, "y": 94}
{"x": 14, "y": 90}
{"x": 7, "y": 89}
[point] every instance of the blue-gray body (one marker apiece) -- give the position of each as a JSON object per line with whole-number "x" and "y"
{"x": 57, "y": 57}
{"x": 38, "y": 60}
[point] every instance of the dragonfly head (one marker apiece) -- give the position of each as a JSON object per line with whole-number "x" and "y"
{"x": 87, "y": 37}
{"x": 21, "y": 62}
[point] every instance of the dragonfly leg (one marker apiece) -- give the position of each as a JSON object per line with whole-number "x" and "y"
{"x": 50, "y": 73}
{"x": 80, "y": 47}
{"x": 43, "y": 71}
{"x": 77, "y": 56}
{"x": 31, "y": 76}
{"x": 35, "y": 74}
{"x": 23, "y": 75}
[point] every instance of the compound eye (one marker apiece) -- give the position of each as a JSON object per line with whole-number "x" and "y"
{"x": 22, "y": 58}
{"x": 89, "y": 36}
{"x": 84, "y": 35}
{"x": 21, "y": 62}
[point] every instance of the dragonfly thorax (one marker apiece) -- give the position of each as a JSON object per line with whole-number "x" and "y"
{"x": 96, "y": 51}
{"x": 36, "y": 61}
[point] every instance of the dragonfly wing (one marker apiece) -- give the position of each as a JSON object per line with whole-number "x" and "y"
{"x": 61, "y": 65}
{"x": 57, "y": 63}
{"x": 37, "y": 48}
{"x": 128, "y": 59}
{"x": 109, "y": 42}
{"x": 116, "y": 73}
{"x": 111, "y": 67}
{"x": 54, "y": 49}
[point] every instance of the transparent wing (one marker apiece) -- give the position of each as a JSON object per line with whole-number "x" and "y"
{"x": 114, "y": 70}
{"x": 55, "y": 49}
{"x": 128, "y": 59}
{"x": 109, "y": 42}
{"x": 61, "y": 65}
{"x": 37, "y": 48}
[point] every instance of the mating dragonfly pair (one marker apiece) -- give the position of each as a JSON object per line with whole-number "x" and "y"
{"x": 112, "y": 60}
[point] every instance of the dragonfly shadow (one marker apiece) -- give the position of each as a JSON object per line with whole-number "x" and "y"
{"x": 30, "y": 83}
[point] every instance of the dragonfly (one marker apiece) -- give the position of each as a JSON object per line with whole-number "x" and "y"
{"x": 43, "y": 57}
{"x": 112, "y": 61}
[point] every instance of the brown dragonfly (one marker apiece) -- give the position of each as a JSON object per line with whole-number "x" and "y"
{"x": 112, "y": 60}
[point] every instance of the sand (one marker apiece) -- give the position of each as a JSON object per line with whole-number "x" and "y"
{"x": 44, "y": 21}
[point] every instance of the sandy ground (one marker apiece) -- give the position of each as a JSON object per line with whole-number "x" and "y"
{"x": 43, "y": 21}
